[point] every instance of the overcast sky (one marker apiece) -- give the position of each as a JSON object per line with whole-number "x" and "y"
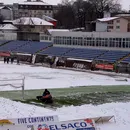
{"x": 125, "y": 3}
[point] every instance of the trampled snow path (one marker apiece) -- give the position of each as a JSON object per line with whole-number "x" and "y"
{"x": 10, "y": 109}
{"x": 40, "y": 77}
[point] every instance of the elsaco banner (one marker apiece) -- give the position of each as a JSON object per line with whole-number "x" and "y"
{"x": 87, "y": 124}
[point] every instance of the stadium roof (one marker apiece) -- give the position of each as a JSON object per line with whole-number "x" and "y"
{"x": 8, "y": 27}
{"x": 47, "y": 18}
{"x": 57, "y": 30}
{"x": 33, "y": 3}
{"x": 31, "y": 21}
{"x": 5, "y": 7}
{"x": 107, "y": 19}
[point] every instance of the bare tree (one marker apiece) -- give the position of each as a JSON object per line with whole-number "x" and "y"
{"x": 65, "y": 15}
{"x": 77, "y": 13}
{"x": 103, "y": 5}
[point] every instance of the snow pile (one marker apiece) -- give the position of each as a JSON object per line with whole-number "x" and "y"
{"x": 54, "y": 78}
{"x": 10, "y": 109}
{"x": 8, "y": 27}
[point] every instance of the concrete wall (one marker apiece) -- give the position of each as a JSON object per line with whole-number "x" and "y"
{"x": 36, "y": 29}
{"x": 93, "y": 34}
{"x": 8, "y": 36}
{"x": 7, "y": 14}
{"x": 45, "y": 38}
{"x": 123, "y": 24}
{"x": 101, "y": 27}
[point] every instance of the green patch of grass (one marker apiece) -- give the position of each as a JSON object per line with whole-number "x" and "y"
{"x": 74, "y": 95}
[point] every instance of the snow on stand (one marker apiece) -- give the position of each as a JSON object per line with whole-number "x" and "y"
{"x": 52, "y": 123}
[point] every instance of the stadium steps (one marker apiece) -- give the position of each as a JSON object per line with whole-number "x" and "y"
{"x": 101, "y": 55}
{"x": 5, "y": 43}
{"x": 43, "y": 49}
{"x": 67, "y": 51}
{"x": 20, "y": 46}
{"x": 121, "y": 59}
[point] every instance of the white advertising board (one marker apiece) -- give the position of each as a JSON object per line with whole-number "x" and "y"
{"x": 30, "y": 120}
{"x": 87, "y": 124}
{"x": 13, "y": 127}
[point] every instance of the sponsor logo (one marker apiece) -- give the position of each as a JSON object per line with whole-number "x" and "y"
{"x": 78, "y": 65}
{"x": 43, "y": 127}
{"x": 5, "y": 122}
{"x": 83, "y": 125}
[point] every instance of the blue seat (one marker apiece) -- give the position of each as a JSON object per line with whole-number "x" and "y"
{"x": 85, "y": 53}
{"x": 113, "y": 55}
{"x": 126, "y": 60}
{"x": 55, "y": 51}
{"x": 32, "y": 47}
{"x": 10, "y": 46}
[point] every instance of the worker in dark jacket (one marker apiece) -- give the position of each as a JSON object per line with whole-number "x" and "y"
{"x": 46, "y": 97}
{"x": 12, "y": 60}
{"x": 5, "y": 59}
{"x": 46, "y": 92}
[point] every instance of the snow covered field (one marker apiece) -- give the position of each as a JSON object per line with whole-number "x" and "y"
{"x": 10, "y": 109}
{"x": 39, "y": 78}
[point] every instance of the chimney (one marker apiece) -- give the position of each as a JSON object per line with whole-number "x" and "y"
{"x": 107, "y": 14}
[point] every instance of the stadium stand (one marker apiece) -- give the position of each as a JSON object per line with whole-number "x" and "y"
{"x": 56, "y": 51}
{"x": 46, "y": 48}
{"x": 3, "y": 42}
{"x": 10, "y": 46}
{"x": 113, "y": 55}
{"x": 32, "y": 47}
{"x": 86, "y": 53}
{"x": 126, "y": 60}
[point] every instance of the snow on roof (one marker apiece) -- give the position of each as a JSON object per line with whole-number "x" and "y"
{"x": 107, "y": 19}
{"x": 7, "y": 21}
{"x": 57, "y": 30}
{"x": 8, "y": 27}
{"x": 123, "y": 15}
{"x": 32, "y": 3}
{"x": 47, "y": 18}
{"x": 79, "y": 59}
{"x": 31, "y": 21}
{"x": 1, "y": 7}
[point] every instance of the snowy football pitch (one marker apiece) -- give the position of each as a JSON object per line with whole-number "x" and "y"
{"x": 74, "y": 96}
{"x": 67, "y": 87}
{"x": 77, "y": 95}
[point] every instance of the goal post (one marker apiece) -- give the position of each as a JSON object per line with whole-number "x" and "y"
{"x": 14, "y": 83}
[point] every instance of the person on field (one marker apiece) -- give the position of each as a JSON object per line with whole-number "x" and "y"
{"x": 46, "y": 97}
{"x": 5, "y": 59}
{"x": 18, "y": 61}
{"x": 12, "y": 60}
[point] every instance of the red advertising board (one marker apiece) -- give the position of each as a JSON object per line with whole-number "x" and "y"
{"x": 104, "y": 66}
{"x": 4, "y": 54}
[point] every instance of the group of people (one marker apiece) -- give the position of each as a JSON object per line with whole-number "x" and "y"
{"x": 10, "y": 59}
{"x": 46, "y": 97}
